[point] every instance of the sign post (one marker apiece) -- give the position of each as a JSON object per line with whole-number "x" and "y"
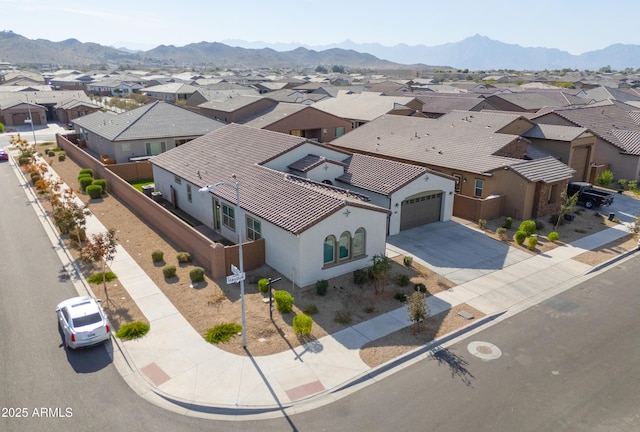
{"x": 271, "y": 297}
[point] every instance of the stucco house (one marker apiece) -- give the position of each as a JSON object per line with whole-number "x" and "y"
{"x": 170, "y": 92}
{"x": 322, "y": 212}
{"x": 44, "y": 106}
{"x": 141, "y": 133}
{"x": 484, "y": 151}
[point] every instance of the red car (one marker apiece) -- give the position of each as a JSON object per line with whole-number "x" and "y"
{"x": 3, "y": 154}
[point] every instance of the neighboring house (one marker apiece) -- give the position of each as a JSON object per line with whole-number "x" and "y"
{"x": 322, "y": 212}
{"x": 603, "y": 93}
{"x": 170, "y": 92}
{"x": 44, "y": 106}
{"x": 531, "y": 101}
{"x": 617, "y": 127}
{"x": 361, "y": 108}
{"x": 114, "y": 86}
{"x": 219, "y": 92}
{"x": 434, "y": 106}
{"x": 235, "y": 109}
{"x": 300, "y": 120}
{"x": 484, "y": 151}
{"x": 575, "y": 146}
{"x": 141, "y": 133}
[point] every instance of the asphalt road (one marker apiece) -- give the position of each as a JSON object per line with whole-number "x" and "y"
{"x": 568, "y": 364}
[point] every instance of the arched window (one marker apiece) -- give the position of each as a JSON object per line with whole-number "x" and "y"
{"x": 345, "y": 246}
{"x": 359, "y": 242}
{"x": 329, "y": 249}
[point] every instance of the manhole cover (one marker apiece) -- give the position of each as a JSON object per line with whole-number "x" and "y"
{"x": 484, "y": 350}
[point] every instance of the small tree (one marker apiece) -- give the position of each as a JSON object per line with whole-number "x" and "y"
{"x": 381, "y": 271}
{"x": 567, "y": 203}
{"x": 417, "y": 309}
{"x": 101, "y": 248}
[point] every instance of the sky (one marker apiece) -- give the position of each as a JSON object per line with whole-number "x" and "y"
{"x": 576, "y": 26}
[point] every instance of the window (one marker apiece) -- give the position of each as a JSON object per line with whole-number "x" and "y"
{"x": 189, "y": 196}
{"x": 458, "y": 178}
{"x": 126, "y": 147}
{"x": 345, "y": 246}
{"x": 329, "y": 249}
{"x": 254, "y": 229}
{"x": 479, "y": 186}
{"x": 177, "y": 179}
{"x": 358, "y": 242}
{"x": 228, "y": 217}
{"x": 340, "y": 131}
{"x": 155, "y": 148}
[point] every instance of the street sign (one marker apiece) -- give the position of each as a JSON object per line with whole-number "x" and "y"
{"x": 235, "y": 270}
{"x": 236, "y": 278}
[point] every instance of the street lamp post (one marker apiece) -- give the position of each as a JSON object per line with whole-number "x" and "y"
{"x": 31, "y": 121}
{"x": 240, "y": 225}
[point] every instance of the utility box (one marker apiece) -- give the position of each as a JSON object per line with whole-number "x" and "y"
{"x": 148, "y": 189}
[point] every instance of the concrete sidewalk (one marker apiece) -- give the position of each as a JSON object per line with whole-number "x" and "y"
{"x": 175, "y": 368}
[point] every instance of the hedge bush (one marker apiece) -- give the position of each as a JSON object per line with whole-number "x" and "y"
{"x": 97, "y": 278}
{"x": 157, "y": 256}
{"x": 88, "y": 171}
{"x": 132, "y": 330}
{"x": 183, "y": 257}
{"x": 102, "y": 183}
{"x": 508, "y": 221}
{"x": 84, "y": 182}
{"x": 402, "y": 280}
{"x": 94, "y": 191}
{"x": 169, "y": 271}
{"x": 263, "y": 285}
{"x": 407, "y": 261}
{"x": 302, "y": 324}
{"x": 553, "y": 236}
{"x": 528, "y": 226}
{"x": 533, "y": 242}
{"x": 62, "y": 156}
{"x": 284, "y": 301}
{"x": 196, "y": 274}
{"x": 520, "y": 237}
{"x": 321, "y": 287}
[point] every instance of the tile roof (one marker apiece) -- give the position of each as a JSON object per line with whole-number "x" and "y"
{"x": 547, "y": 170}
{"x": 290, "y": 202}
{"x": 555, "y": 132}
{"x": 172, "y": 88}
{"x": 311, "y": 161}
{"x": 361, "y": 106}
{"x": 155, "y": 120}
{"x": 231, "y": 104}
{"x": 379, "y": 175}
{"x": 273, "y": 114}
{"x": 445, "y": 104}
{"x": 460, "y": 140}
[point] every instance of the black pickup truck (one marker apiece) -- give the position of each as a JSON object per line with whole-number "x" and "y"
{"x": 589, "y": 196}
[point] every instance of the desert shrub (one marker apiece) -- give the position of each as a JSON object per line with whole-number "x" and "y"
{"x": 402, "y": 280}
{"x": 342, "y": 317}
{"x": 88, "y": 171}
{"x": 622, "y": 184}
{"x": 132, "y": 330}
{"x": 539, "y": 225}
{"x": 51, "y": 153}
{"x": 528, "y": 226}
{"x": 84, "y": 182}
{"x": 263, "y": 285}
{"x": 35, "y": 178}
{"x": 169, "y": 271}
{"x": 102, "y": 183}
{"x": 157, "y": 256}
{"x": 311, "y": 309}
{"x": 97, "y": 278}
{"x": 321, "y": 287}
{"x": 401, "y": 297}
{"x": 520, "y": 237}
{"x": 196, "y": 274}
{"x": 360, "y": 276}
{"x": 508, "y": 221}
{"x": 605, "y": 178}
{"x": 502, "y": 233}
{"x": 222, "y": 332}
{"x": 62, "y": 156}
{"x": 553, "y": 236}
{"x": 633, "y": 185}
{"x": 25, "y": 160}
{"x": 532, "y": 243}
{"x": 94, "y": 191}
{"x": 302, "y": 324}
{"x": 407, "y": 261}
{"x": 482, "y": 223}
{"x": 420, "y": 287}
{"x": 284, "y": 301}
{"x": 183, "y": 257}
{"x": 1, "y": 127}
{"x": 369, "y": 309}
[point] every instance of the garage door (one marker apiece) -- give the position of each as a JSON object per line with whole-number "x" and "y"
{"x": 580, "y": 162}
{"x": 420, "y": 210}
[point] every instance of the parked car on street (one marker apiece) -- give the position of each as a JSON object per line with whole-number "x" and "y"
{"x": 588, "y": 195}
{"x": 3, "y": 154}
{"x": 83, "y": 322}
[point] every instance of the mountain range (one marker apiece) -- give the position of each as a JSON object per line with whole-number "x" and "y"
{"x": 474, "y": 53}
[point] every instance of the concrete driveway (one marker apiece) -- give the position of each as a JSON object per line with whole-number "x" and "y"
{"x": 456, "y": 251}
{"x": 624, "y": 207}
